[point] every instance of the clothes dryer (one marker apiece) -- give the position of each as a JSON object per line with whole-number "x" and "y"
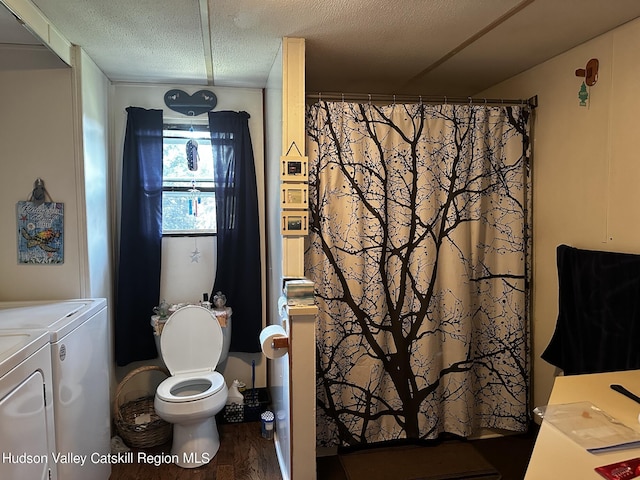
{"x": 27, "y": 441}
{"x": 79, "y": 343}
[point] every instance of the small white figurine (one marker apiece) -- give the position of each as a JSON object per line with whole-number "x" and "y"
{"x": 219, "y": 300}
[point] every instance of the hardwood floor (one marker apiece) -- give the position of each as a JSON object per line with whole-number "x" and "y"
{"x": 243, "y": 455}
{"x": 510, "y": 454}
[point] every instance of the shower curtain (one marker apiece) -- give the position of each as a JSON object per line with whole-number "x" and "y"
{"x": 419, "y": 246}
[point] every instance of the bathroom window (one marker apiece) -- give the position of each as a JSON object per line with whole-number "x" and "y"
{"x": 188, "y": 193}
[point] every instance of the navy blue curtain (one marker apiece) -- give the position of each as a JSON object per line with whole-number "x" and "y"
{"x": 598, "y": 323}
{"x": 138, "y": 287}
{"x": 238, "y": 273}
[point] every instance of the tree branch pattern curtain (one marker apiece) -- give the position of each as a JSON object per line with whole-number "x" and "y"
{"x": 419, "y": 245}
{"x": 238, "y": 272}
{"x": 139, "y": 263}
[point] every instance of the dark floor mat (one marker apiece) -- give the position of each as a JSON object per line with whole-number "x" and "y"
{"x": 450, "y": 460}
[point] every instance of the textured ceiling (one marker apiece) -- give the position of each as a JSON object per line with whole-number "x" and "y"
{"x": 428, "y": 47}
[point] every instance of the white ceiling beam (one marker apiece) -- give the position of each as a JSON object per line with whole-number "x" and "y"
{"x": 36, "y": 22}
{"x": 205, "y": 26}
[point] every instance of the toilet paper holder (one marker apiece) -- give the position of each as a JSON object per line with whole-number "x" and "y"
{"x": 274, "y": 341}
{"x": 280, "y": 342}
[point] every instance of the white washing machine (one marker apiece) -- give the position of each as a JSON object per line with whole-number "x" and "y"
{"x": 27, "y": 439}
{"x": 78, "y": 337}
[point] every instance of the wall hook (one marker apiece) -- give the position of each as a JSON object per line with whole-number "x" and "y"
{"x": 39, "y": 193}
{"x": 590, "y": 72}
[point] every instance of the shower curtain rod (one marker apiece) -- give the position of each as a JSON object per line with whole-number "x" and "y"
{"x": 376, "y": 98}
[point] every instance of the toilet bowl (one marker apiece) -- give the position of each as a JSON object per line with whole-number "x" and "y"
{"x": 192, "y": 344}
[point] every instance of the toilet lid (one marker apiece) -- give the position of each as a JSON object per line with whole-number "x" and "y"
{"x": 191, "y": 340}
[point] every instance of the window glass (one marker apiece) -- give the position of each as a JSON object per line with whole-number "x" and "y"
{"x": 188, "y": 196}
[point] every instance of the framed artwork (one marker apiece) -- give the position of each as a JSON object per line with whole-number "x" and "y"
{"x": 294, "y": 195}
{"x": 294, "y": 169}
{"x": 40, "y": 233}
{"x": 295, "y": 222}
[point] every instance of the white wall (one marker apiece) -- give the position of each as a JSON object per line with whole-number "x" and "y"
{"x": 585, "y": 167}
{"x": 53, "y": 126}
{"x": 93, "y": 174}
{"x": 37, "y": 141}
{"x": 181, "y": 279}
{"x": 278, "y": 368}
{"x": 95, "y": 239}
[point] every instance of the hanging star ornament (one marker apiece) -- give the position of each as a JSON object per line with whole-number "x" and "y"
{"x": 195, "y": 256}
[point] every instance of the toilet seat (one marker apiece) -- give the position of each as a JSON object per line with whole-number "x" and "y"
{"x": 191, "y": 345}
{"x": 169, "y": 389}
{"x": 191, "y": 341}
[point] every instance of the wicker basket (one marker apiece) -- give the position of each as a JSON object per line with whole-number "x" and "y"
{"x": 140, "y": 435}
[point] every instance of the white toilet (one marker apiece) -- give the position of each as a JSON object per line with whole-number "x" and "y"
{"x": 192, "y": 344}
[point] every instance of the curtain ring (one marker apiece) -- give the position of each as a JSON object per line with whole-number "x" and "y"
{"x": 420, "y": 100}
{"x": 369, "y": 99}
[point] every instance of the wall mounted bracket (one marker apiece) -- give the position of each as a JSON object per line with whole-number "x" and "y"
{"x": 590, "y": 72}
